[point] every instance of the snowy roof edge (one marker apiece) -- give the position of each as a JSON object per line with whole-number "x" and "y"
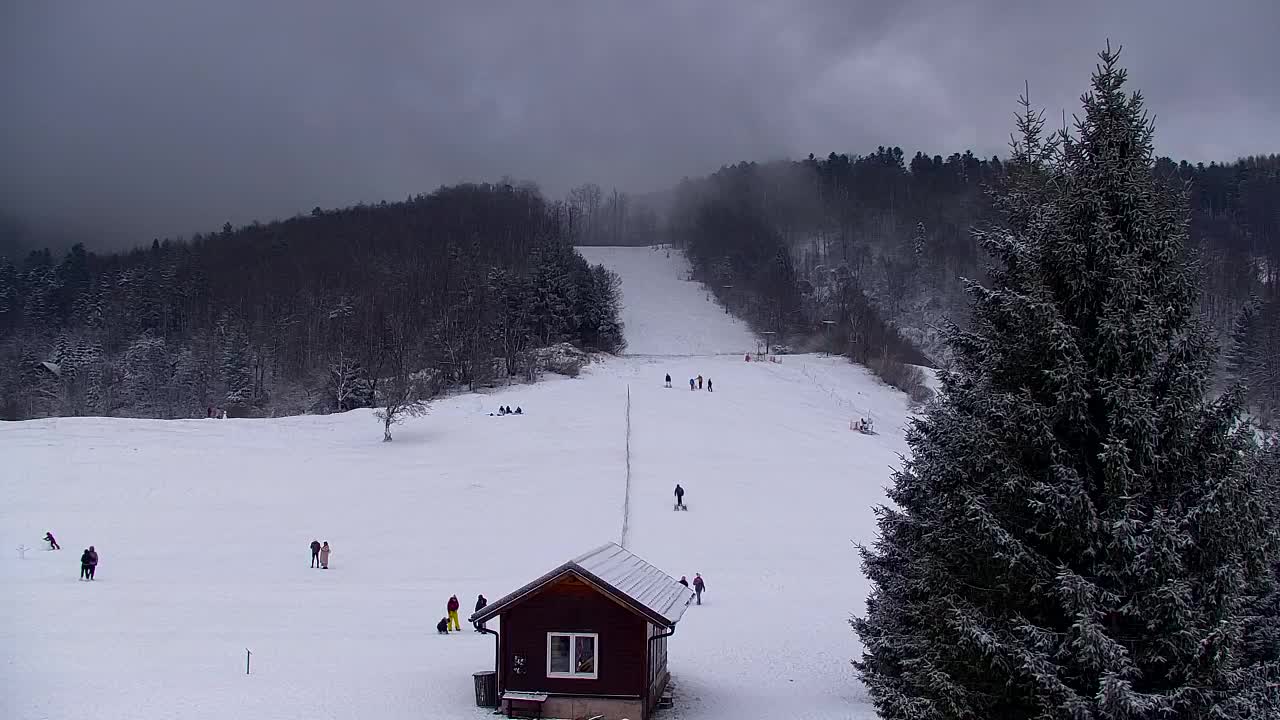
{"x": 657, "y": 617}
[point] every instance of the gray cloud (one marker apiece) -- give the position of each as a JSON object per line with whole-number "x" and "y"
{"x": 134, "y": 119}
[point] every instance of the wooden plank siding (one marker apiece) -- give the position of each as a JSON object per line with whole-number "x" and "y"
{"x": 656, "y": 662}
{"x": 570, "y": 605}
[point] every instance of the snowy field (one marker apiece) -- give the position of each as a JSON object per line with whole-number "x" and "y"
{"x": 203, "y": 526}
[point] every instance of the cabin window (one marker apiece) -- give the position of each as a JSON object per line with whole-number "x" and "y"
{"x": 573, "y": 655}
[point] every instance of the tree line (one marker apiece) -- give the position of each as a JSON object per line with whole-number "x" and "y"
{"x": 789, "y": 244}
{"x": 337, "y": 310}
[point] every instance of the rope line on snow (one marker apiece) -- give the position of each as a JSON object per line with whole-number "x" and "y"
{"x": 626, "y": 495}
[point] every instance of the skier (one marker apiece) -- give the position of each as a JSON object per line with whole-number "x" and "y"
{"x": 708, "y": 384}
{"x": 453, "y": 613}
{"x": 480, "y": 603}
{"x": 699, "y": 586}
{"x": 699, "y": 382}
{"x": 84, "y": 564}
{"x": 679, "y": 496}
{"x": 53, "y": 544}
{"x": 684, "y": 581}
{"x": 93, "y": 561}
{"x": 324, "y": 556}
{"x": 668, "y": 379}
{"x": 315, "y": 553}
{"x": 691, "y": 384}
{"x": 442, "y": 627}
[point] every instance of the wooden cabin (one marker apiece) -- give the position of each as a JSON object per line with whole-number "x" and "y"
{"x": 588, "y": 638}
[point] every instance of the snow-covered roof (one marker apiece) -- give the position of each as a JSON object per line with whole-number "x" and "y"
{"x": 618, "y": 573}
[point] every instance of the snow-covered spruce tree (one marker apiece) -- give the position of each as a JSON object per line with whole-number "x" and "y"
{"x": 1077, "y": 533}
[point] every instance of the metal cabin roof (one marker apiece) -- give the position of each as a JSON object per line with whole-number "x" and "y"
{"x": 618, "y": 573}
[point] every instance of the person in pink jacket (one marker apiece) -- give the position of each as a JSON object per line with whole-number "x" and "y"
{"x": 324, "y": 555}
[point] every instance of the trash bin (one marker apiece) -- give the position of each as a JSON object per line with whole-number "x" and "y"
{"x": 486, "y": 689}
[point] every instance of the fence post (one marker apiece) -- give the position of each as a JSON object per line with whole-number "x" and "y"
{"x": 247, "y": 654}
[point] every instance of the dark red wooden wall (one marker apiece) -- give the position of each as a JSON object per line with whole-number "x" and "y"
{"x": 569, "y": 605}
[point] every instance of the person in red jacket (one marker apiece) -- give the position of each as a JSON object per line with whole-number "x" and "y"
{"x": 453, "y": 614}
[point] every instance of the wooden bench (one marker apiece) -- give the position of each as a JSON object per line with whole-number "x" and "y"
{"x": 525, "y": 702}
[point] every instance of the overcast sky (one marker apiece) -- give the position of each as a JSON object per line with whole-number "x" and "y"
{"x": 141, "y": 119}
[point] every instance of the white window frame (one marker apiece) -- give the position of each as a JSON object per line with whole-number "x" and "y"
{"x": 573, "y": 656}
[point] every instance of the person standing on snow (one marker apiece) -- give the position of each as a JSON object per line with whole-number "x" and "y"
{"x": 452, "y": 606}
{"x": 84, "y": 564}
{"x": 315, "y": 553}
{"x": 691, "y": 387}
{"x": 699, "y": 586}
{"x": 324, "y": 556}
{"x": 679, "y": 496}
{"x": 93, "y": 561}
{"x": 53, "y": 544}
{"x": 668, "y": 379}
{"x": 708, "y": 384}
{"x": 480, "y": 603}
{"x": 699, "y": 382}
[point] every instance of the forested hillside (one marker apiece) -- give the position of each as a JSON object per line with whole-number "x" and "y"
{"x": 310, "y": 314}
{"x": 790, "y": 244}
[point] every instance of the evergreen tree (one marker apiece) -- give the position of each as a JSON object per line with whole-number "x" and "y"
{"x": 1241, "y": 354}
{"x": 237, "y": 369}
{"x": 1077, "y": 533}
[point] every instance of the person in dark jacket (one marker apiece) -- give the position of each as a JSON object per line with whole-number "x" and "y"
{"x": 452, "y": 606}
{"x": 93, "y": 561}
{"x": 684, "y": 581}
{"x": 480, "y": 603}
{"x": 84, "y": 564}
{"x": 709, "y": 385}
{"x": 442, "y": 627}
{"x": 679, "y": 496}
{"x": 691, "y": 384}
{"x": 315, "y": 553}
{"x": 53, "y": 544}
{"x": 668, "y": 379}
{"x": 699, "y": 586}
{"x": 519, "y": 410}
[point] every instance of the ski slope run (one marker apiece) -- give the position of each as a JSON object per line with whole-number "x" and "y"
{"x": 203, "y": 526}
{"x": 665, "y": 314}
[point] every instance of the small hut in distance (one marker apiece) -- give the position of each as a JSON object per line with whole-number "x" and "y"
{"x": 588, "y": 638}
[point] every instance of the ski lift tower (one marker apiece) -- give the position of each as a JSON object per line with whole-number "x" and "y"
{"x": 828, "y": 324}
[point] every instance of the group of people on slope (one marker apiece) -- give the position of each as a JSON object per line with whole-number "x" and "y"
{"x": 450, "y": 621}
{"x": 506, "y": 410}
{"x": 320, "y": 554}
{"x": 699, "y": 586}
{"x": 88, "y": 563}
{"x": 694, "y": 383}
{"x": 88, "y": 558}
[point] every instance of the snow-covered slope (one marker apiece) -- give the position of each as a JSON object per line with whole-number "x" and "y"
{"x": 665, "y": 314}
{"x": 202, "y": 527}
